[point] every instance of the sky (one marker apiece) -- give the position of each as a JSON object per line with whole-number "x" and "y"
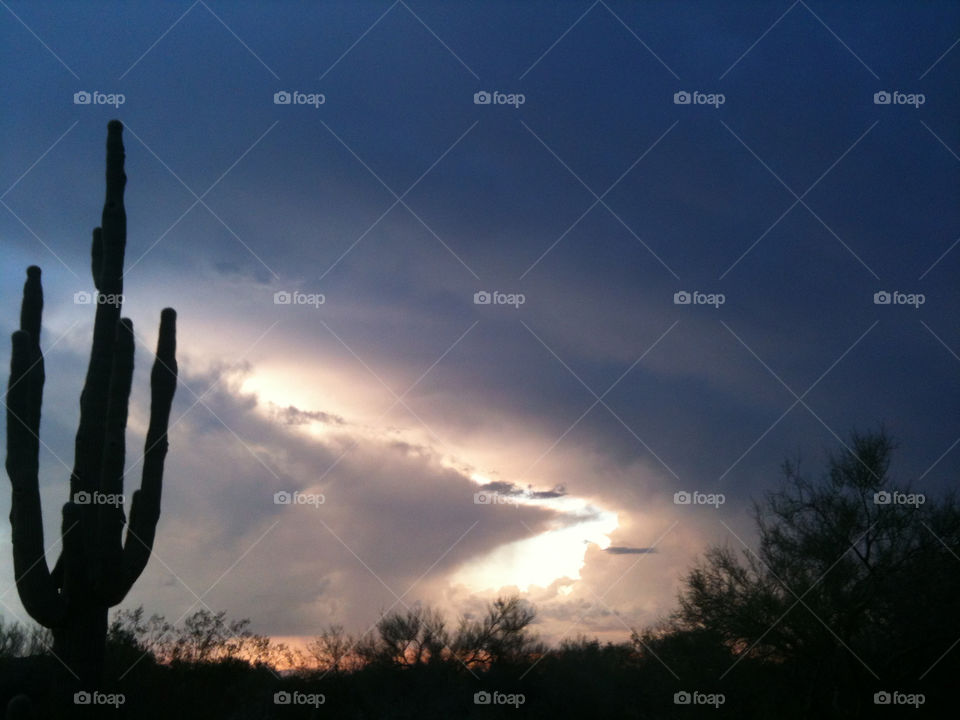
{"x": 487, "y": 290}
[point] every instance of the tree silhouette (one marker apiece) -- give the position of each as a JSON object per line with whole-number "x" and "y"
{"x": 501, "y": 636}
{"x": 331, "y": 649}
{"x": 413, "y": 637}
{"x": 853, "y": 585}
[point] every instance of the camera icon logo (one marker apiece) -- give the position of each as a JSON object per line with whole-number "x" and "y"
{"x": 482, "y": 98}
{"x": 82, "y": 297}
{"x": 281, "y": 98}
{"x": 882, "y": 498}
{"x": 481, "y": 698}
{"x": 481, "y": 298}
{"x": 282, "y": 698}
{"x": 881, "y": 298}
{"x": 82, "y": 498}
{"x": 282, "y": 498}
{"x": 881, "y": 698}
{"x": 881, "y": 98}
{"x": 482, "y": 498}
{"x": 681, "y": 98}
{"x": 282, "y": 297}
{"x": 681, "y": 298}
{"x": 682, "y": 498}
{"x": 682, "y": 698}
{"x": 81, "y": 98}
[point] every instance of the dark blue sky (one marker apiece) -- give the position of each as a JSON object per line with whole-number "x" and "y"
{"x": 798, "y": 198}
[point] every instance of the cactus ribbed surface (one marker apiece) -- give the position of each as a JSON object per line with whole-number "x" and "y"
{"x": 97, "y": 565}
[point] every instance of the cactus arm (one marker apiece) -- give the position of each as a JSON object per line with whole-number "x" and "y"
{"x": 35, "y": 584}
{"x": 145, "y": 508}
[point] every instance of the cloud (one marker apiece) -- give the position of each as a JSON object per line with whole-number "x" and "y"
{"x": 391, "y": 515}
{"x": 618, "y": 550}
{"x": 295, "y": 416}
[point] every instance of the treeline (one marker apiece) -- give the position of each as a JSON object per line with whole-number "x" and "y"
{"x": 843, "y": 606}
{"x": 410, "y": 665}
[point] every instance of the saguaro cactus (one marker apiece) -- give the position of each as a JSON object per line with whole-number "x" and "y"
{"x": 97, "y": 566}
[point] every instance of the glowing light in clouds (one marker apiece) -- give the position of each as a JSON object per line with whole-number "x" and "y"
{"x": 544, "y": 558}
{"x": 539, "y": 560}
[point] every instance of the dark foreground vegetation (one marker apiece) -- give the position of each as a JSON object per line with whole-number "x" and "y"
{"x": 845, "y": 607}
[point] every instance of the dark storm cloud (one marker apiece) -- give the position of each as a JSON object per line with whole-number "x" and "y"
{"x": 398, "y": 199}
{"x": 616, "y": 550}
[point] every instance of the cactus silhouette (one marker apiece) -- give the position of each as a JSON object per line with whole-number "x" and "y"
{"x": 97, "y": 566}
